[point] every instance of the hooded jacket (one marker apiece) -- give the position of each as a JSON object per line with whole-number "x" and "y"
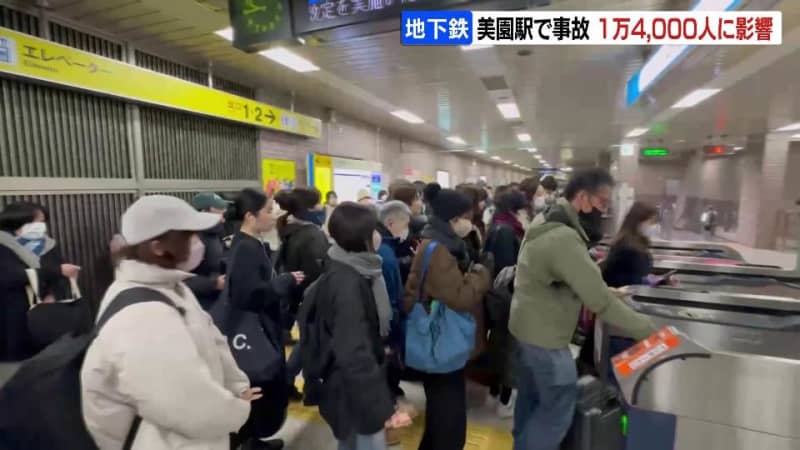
{"x": 176, "y": 372}
{"x": 304, "y": 247}
{"x": 555, "y": 276}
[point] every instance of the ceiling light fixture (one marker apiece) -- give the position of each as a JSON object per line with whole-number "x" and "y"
{"x": 567, "y": 169}
{"x": 736, "y": 149}
{"x": 496, "y": 158}
{"x": 796, "y": 137}
{"x": 407, "y": 116}
{"x": 695, "y": 97}
{"x": 532, "y": 150}
{"x": 509, "y": 110}
{"x": 636, "y": 132}
{"x": 289, "y": 59}
{"x": 226, "y": 33}
{"x": 456, "y": 140}
{"x": 480, "y": 150}
{"x": 524, "y": 137}
{"x": 790, "y": 127}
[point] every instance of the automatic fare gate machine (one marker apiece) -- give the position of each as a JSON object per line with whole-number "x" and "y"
{"x": 729, "y": 381}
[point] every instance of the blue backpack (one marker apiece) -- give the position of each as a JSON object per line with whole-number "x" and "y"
{"x": 440, "y": 341}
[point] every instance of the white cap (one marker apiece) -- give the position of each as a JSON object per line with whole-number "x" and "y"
{"x": 153, "y": 215}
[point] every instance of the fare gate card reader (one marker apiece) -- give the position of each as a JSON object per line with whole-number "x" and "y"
{"x": 649, "y": 429}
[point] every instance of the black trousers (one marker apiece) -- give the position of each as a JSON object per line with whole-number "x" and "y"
{"x": 445, "y": 411}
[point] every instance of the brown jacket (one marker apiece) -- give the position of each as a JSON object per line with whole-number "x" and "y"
{"x": 445, "y": 282}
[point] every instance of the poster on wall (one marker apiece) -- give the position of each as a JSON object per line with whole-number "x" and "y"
{"x": 443, "y": 178}
{"x": 277, "y": 175}
{"x": 347, "y": 177}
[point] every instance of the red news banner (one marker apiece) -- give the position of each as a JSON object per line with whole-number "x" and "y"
{"x": 627, "y": 28}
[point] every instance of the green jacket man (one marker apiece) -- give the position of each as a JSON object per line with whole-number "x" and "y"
{"x": 555, "y": 276}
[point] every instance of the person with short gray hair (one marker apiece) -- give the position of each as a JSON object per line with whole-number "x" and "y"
{"x": 394, "y": 218}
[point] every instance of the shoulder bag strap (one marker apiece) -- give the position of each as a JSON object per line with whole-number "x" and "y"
{"x": 124, "y": 299}
{"x": 423, "y": 272}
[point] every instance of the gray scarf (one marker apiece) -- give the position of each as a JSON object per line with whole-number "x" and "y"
{"x": 9, "y": 241}
{"x": 369, "y": 265}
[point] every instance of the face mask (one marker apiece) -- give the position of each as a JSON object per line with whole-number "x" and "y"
{"x": 539, "y": 203}
{"x": 462, "y": 227}
{"x": 34, "y": 231}
{"x": 592, "y": 224}
{"x": 402, "y": 236}
{"x": 196, "y": 253}
{"x": 649, "y": 231}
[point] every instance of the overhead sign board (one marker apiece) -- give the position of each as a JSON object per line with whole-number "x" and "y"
{"x": 654, "y": 152}
{"x": 258, "y": 22}
{"x": 717, "y": 150}
{"x": 41, "y": 60}
{"x": 310, "y": 16}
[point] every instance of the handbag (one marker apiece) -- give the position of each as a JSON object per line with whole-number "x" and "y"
{"x": 439, "y": 341}
{"x": 48, "y": 321}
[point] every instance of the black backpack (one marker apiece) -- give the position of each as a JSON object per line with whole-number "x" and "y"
{"x": 40, "y": 406}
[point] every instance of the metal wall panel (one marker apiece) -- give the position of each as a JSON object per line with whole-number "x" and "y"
{"x": 234, "y": 88}
{"x": 84, "y": 41}
{"x": 161, "y": 65}
{"x": 83, "y": 225}
{"x": 188, "y": 195}
{"x": 49, "y": 132}
{"x": 184, "y": 146}
{"x": 19, "y": 21}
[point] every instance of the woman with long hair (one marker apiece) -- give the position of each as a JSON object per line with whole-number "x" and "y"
{"x": 629, "y": 259}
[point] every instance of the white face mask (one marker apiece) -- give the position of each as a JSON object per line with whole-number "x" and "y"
{"x": 403, "y": 235}
{"x": 34, "y": 231}
{"x": 649, "y": 230}
{"x": 462, "y": 227}
{"x": 196, "y": 253}
{"x": 376, "y": 240}
{"x": 540, "y": 203}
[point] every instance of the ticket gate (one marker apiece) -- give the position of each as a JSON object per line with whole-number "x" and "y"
{"x": 728, "y": 380}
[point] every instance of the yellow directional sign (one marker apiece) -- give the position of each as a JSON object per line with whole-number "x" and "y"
{"x": 29, "y": 57}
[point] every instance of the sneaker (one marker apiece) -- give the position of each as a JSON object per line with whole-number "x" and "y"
{"x": 294, "y": 394}
{"x": 506, "y": 411}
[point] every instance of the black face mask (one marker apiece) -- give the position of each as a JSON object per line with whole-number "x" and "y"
{"x": 592, "y": 224}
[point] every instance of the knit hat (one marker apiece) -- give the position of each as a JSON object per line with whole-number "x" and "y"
{"x": 447, "y": 204}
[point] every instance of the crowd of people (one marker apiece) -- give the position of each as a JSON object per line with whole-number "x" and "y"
{"x": 205, "y": 367}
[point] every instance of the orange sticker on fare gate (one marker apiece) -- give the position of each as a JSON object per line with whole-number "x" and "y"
{"x": 645, "y": 351}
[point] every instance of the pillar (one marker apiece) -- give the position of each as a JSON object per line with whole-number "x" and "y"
{"x": 625, "y": 170}
{"x": 773, "y": 175}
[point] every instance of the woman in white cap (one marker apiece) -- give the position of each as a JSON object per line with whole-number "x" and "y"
{"x": 166, "y": 364}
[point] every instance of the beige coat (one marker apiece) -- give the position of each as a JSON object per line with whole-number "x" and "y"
{"x": 176, "y": 372}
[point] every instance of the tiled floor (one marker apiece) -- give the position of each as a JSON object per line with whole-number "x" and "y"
{"x": 305, "y": 429}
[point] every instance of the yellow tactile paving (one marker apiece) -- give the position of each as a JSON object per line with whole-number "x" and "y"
{"x": 479, "y": 437}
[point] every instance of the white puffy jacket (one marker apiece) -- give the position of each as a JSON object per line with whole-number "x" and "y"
{"x": 176, "y": 372}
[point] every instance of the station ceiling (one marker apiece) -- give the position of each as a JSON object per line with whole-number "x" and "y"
{"x": 571, "y": 99}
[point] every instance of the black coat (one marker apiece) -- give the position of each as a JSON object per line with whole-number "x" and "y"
{"x": 626, "y": 265}
{"x": 304, "y": 248}
{"x": 204, "y": 283}
{"x": 354, "y": 396}
{"x": 502, "y": 242}
{"x": 252, "y": 282}
{"x": 15, "y": 340}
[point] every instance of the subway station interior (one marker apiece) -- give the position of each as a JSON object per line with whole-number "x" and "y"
{"x": 105, "y": 102}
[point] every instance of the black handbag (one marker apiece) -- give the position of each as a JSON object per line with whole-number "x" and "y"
{"x": 48, "y": 321}
{"x": 257, "y": 351}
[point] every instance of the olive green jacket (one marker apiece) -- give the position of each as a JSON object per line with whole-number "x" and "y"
{"x": 555, "y": 276}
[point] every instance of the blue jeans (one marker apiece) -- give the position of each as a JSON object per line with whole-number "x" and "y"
{"x": 546, "y": 394}
{"x": 375, "y": 441}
